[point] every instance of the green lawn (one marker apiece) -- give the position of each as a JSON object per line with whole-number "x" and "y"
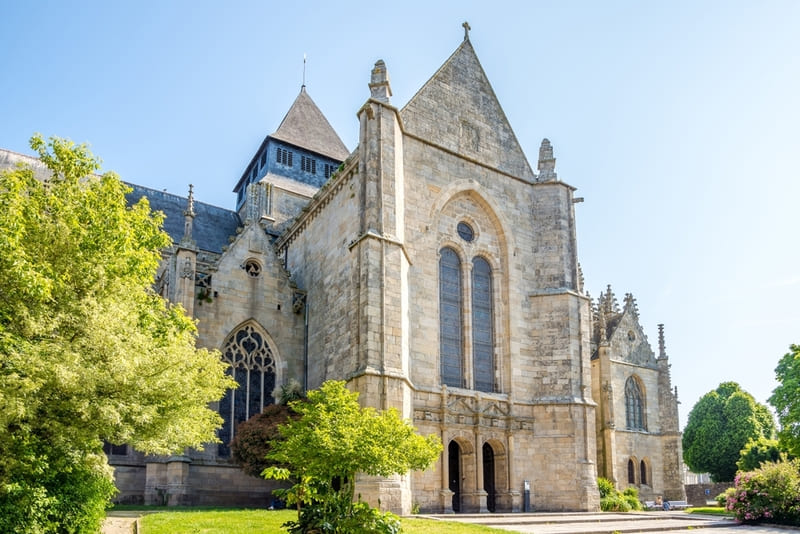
{"x": 712, "y": 510}
{"x": 226, "y": 521}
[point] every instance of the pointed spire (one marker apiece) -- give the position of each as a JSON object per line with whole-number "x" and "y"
{"x": 631, "y": 306}
{"x": 306, "y": 127}
{"x": 188, "y": 216}
{"x": 610, "y": 301}
{"x": 603, "y": 327}
{"x": 662, "y": 348}
{"x": 379, "y": 83}
{"x": 547, "y": 163}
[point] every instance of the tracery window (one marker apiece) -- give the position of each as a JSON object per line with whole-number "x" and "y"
{"x": 450, "y": 305}
{"x": 634, "y": 405}
{"x": 252, "y": 365}
{"x": 482, "y": 331}
{"x": 452, "y": 349}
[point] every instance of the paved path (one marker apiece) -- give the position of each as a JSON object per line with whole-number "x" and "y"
{"x": 609, "y": 523}
{"x": 120, "y": 523}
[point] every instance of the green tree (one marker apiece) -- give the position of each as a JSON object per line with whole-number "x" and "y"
{"x": 88, "y": 352}
{"x": 759, "y": 451}
{"x": 719, "y": 426}
{"x": 786, "y": 400}
{"x": 332, "y": 441}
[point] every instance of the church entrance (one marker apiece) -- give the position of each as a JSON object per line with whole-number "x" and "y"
{"x": 488, "y": 476}
{"x": 454, "y": 473}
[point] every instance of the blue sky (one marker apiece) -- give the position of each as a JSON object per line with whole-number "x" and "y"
{"x": 678, "y": 122}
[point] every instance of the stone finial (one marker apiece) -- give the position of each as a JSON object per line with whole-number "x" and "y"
{"x": 610, "y": 301}
{"x": 379, "y": 83}
{"x": 547, "y": 163}
{"x": 467, "y": 28}
{"x": 601, "y": 319}
{"x": 580, "y": 278}
{"x": 631, "y": 306}
{"x": 188, "y": 218}
{"x": 662, "y": 348}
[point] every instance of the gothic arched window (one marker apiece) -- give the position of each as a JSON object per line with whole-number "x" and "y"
{"x": 634, "y": 405}
{"x": 252, "y": 365}
{"x": 643, "y": 471}
{"x": 450, "y": 304}
{"x": 482, "y": 330}
{"x": 631, "y": 472}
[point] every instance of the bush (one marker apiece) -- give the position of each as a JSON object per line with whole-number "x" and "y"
{"x": 254, "y": 438}
{"x": 771, "y": 493}
{"x": 612, "y": 500}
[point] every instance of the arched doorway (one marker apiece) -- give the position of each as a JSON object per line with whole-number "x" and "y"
{"x": 454, "y": 473}
{"x": 488, "y": 476}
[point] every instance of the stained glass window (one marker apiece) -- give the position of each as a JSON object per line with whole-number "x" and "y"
{"x": 634, "y": 405}
{"x": 253, "y": 367}
{"x": 482, "y": 329}
{"x": 450, "y": 305}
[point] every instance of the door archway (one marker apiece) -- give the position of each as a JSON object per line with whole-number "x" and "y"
{"x": 488, "y": 477}
{"x": 454, "y": 473}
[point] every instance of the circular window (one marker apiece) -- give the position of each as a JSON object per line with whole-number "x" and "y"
{"x": 253, "y": 268}
{"x": 631, "y": 335}
{"x": 465, "y": 231}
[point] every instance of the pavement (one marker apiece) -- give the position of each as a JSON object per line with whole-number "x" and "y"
{"x": 555, "y": 523}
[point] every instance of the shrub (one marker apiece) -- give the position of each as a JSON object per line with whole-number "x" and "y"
{"x": 255, "y": 436}
{"x": 612, "y": 500}
{"x": 771, "y": 493}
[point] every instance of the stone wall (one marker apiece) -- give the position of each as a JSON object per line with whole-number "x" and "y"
{"x": 696, "y": 493}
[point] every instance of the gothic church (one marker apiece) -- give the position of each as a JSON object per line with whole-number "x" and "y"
{"x": 436, "y": 271}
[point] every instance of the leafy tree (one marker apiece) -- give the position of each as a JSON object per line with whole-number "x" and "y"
{"x": 759, "y": 451}
{"x": 786, "y": 400}
{"x": 88, "y": 352}
{"x": 719, "y": 426}
{"x": 332, "y": 441}
{"x": 254, "y": 438}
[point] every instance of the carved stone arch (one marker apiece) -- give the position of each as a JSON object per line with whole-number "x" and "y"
{"x": 495, "y": 475}
{"x": 481, "y": 196}
{"x": 645, "y": 472}
{"x": 253, "y": 362}
{"x": 631, "y": 469}
{"x": 486, "y": 353}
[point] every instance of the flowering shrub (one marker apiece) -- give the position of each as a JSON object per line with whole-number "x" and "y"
{"x": 770, "y": 493}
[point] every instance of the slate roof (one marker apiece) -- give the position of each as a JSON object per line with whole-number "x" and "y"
{"x": 212, "y": 225}
{"x": 305, "y": 126}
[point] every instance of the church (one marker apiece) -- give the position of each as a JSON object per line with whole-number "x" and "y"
{"x": 436, "y": 271}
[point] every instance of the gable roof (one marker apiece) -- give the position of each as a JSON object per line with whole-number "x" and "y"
{"x": 305, "y": 126}
{"x": 458, "y": 110}
{"x": 212, "y": 225}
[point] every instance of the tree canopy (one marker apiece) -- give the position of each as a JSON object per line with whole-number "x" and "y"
{"x": 719, "y": 426}
{"x": 786, "y": 400}
{"x": 89, "y": 352}
{"x": 333, "y": 440}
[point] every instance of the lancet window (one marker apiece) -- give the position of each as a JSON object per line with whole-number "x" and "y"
{"x": 252, "y": 366}
{"x": 453, "y": 349}
{"x": 634, "y": 405}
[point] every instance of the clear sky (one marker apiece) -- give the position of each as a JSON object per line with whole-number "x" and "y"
{"x": 678, "y": 122}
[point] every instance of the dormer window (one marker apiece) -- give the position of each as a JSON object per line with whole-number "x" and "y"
{"x": 284, "y": 157}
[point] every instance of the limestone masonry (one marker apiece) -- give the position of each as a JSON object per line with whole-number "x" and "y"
{"x": 436, "y": 271}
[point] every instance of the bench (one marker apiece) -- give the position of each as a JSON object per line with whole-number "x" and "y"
{"x": 673, "y": 505}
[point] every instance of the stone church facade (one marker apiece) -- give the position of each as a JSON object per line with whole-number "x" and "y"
{"x": 435, "y": 271}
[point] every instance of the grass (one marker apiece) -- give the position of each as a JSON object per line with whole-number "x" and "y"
{"x": 710, "y": 510}
{"x": 227, "y": 521}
